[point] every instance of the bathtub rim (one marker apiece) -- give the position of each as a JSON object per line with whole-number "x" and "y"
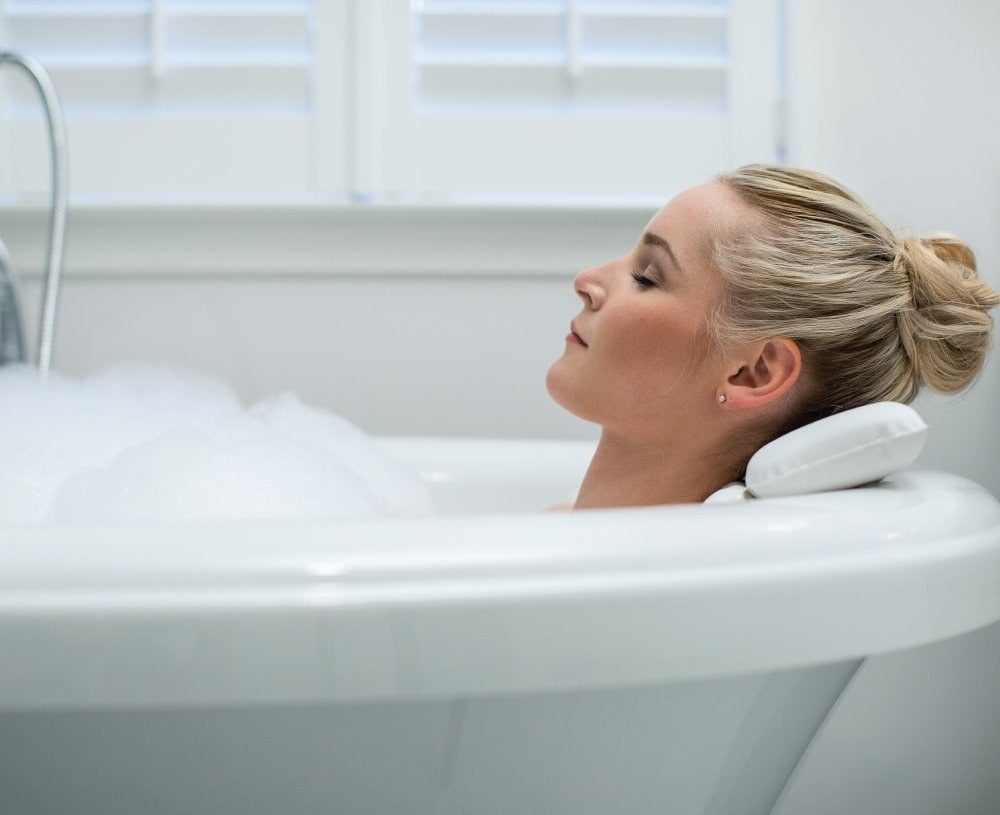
{"x": 921, "y": 564}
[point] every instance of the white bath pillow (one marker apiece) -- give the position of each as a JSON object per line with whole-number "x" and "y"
{"x": 844, "y": 450}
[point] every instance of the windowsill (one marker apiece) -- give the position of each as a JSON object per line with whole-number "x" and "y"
{"x": 322, "y": 201}
{"x": 311, "y": 236}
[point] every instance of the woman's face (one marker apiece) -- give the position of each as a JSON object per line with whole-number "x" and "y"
{"x": 639, "y": 356}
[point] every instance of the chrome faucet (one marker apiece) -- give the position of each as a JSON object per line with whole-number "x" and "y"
{"x": 11, "y": 330}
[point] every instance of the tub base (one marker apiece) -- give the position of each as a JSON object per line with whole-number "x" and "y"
{"x": 718, "y": 746}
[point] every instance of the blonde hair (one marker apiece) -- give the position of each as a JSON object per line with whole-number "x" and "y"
{"x": 876, "y": 316}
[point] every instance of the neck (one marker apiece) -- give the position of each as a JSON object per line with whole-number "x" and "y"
{"x": 628, "y": 472}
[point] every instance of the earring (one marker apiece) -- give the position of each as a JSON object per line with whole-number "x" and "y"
{"x": 722, "y": 398}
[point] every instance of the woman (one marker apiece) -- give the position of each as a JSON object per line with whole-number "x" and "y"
{"x": 751, "y": 305}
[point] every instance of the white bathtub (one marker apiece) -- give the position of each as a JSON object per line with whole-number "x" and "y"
{"x": 497, "y": 660}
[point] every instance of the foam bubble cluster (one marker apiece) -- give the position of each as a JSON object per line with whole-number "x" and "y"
{"x": 144, "y": 444}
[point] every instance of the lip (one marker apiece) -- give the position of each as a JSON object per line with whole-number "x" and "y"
{"x": 574, "y": 337}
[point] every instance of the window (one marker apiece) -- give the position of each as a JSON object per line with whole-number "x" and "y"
{"x": 389, "y": 100}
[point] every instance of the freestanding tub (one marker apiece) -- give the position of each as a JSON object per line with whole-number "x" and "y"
{"x": 690, "y": 659}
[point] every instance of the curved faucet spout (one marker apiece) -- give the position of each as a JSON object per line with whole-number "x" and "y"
{"x": 57, "y": 222}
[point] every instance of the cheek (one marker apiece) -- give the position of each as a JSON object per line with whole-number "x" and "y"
{"x": 655, "y": 354}
{"x": 645, "y": 341}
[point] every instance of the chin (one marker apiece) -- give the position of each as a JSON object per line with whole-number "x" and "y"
{"x": 557, "y": 383}
{"x": 552, "y": 382}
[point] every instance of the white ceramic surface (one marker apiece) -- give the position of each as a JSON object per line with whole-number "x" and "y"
{"x": 491, "y": 660}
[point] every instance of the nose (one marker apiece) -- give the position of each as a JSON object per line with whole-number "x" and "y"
{"x": 590, "y": 288}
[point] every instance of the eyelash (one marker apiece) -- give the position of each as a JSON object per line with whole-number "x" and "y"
{"x": 643, "y": 281}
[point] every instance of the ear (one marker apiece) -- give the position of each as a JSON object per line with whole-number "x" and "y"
{"x": 766, "y": 372}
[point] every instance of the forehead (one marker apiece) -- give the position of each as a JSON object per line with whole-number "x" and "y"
{"x": 693, "y": 218}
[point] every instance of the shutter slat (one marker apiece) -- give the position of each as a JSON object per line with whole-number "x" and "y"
{"x": 110, "y": 8}
{"x": 708, "y": 9}
{"x": 25, "y": 9}
{"x": 504, "y": 8}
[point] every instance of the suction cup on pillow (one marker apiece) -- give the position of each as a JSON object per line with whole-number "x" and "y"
{"x": 845, "y": 450}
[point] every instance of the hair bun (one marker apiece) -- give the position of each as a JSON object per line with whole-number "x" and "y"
{"x": 947, "y": 331}
{"x": 875, "y": 315}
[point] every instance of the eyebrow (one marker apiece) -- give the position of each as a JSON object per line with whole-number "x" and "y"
{"x": 649, "y": 239}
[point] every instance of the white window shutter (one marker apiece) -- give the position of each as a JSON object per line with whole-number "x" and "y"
{"x": 427, "y": 100}
{"x": 585, "y": 98}
{"x": 169, "y": 97}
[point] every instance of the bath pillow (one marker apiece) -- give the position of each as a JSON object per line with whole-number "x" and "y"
{"x": 844, "y": 450}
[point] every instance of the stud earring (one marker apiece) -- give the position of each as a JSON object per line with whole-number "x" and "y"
{"x": 722, "y": 398}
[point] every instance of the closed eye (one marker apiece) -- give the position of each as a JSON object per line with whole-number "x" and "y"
{"x": 643, "y": 281}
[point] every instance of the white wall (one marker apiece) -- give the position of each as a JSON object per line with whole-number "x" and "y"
{"x": 405, "y": 320}
{"x": 371, "y": 314}
{"x": 898, "y": 99}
